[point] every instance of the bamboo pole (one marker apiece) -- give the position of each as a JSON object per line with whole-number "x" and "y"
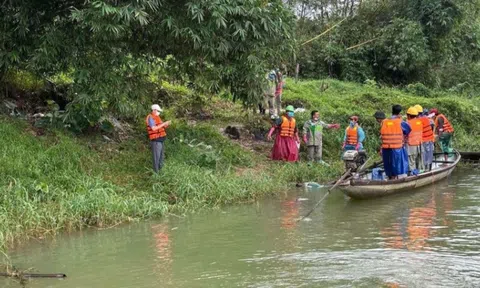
{"x": 323, "y": 33}
{"x": 361, "y": 44}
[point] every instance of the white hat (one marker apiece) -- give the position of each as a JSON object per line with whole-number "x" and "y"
{"x": 156, "y": 107}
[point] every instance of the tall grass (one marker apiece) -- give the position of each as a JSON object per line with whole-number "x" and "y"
{"x": 44, "y": 188}
{"x": 60, "y": 182}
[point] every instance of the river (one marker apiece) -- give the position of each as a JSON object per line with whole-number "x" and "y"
{"x": 430, "y": 238}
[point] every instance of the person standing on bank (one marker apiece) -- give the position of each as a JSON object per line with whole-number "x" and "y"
{"x": 269, "y": 95}
{"x": 156, "y": 129}
{"x": 313, "y": 134}
{"x": 279, "y": 83}
{"x": 287, "y": 141}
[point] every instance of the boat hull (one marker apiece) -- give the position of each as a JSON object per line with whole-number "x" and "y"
{"x": 367, "y": 189}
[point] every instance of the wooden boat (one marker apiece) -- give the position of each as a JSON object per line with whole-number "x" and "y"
{"x": 366, "y": 188}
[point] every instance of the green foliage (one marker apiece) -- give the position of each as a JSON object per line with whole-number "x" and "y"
{"x": 434, "y": 42}
{"x": 402, "y": 47}
{"x": 23, "y": 80}
{"x": 111, "y": 49}
{"x": 418, "y": 89}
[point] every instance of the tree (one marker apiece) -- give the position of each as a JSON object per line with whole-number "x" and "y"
{"x": 112, "y": 46}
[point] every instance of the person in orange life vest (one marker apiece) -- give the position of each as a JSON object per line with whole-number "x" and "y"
{"x": 414, "y": 142}
{"x": 354, "y": 136}
{"x": 157, "y": 134}
{"x": 394, "y": 153}
{"x": 287, "y": 142}
{"x": 427, "y": 137}
{"x": 444, "y": 130}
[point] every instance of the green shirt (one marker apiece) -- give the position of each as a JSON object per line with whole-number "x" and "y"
{"x": 314, "y": 130}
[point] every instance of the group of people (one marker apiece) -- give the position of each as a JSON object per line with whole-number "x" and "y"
{"x": 407, "y": 146}
{"x": 287, "y": 140}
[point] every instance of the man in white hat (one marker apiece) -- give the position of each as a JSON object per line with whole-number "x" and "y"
{"x": 157, "y": 134}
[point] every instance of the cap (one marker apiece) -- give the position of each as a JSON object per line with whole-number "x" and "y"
{"x": 434, "y": 111}
{"x": 290, "y": 108}
{"x": 156, "y": 107}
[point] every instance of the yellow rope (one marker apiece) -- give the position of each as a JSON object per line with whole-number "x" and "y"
{"x": 361, "y": 44}
{"x": 324, "y": 32}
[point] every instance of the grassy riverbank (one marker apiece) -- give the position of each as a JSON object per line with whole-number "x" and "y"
{"x": 59, "y": 181}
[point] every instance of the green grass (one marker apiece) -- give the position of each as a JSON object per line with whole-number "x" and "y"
{"x": 60, "y": 182}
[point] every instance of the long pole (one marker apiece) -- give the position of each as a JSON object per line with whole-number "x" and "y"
{"x": 33, "y": 275}
{"x": 361, "y": 44}
{"x": 328, "y": 193}
{"x": 323, "y": 33}
{"x": 344, "y": 176}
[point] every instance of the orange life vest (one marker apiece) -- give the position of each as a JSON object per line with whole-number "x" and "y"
{"x": 288, "y": 127}
{"x": 415, "y": 136}
{"x": 392, "y": 134}
{"x": 352, "y": 135}
{"x": 427, "y": 134}
{"x": 447, "y": 127}
{"x": 158, "y": 133}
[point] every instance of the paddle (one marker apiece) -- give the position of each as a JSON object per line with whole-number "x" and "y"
{"x": 328, "y": 192}
{"x": 344, "y": 176}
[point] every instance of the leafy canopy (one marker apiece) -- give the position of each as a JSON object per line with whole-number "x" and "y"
{"x": 113, "y": 47}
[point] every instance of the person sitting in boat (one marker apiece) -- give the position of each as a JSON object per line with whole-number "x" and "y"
{"x": 394, "y": 153}
{"x": 288, "y": 142}
{"x": 427, "y": 137}
{"x": 415, "y": 161}
{"x": 354, "y": 136}
{"x": 444, "y": 130}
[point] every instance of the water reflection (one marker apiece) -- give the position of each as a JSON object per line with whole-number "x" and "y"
{"x": 163, "y": 249}
{"x": 419, "y": 223}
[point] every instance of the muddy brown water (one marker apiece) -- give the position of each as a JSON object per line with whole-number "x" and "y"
{"x": 427, "y": 238}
